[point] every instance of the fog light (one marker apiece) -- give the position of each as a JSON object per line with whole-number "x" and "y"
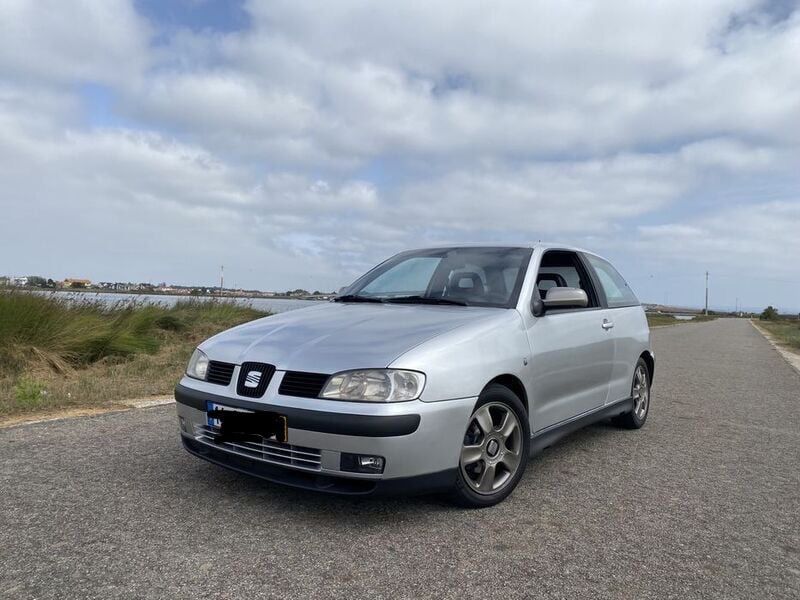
{"x": 362, "y": 463}
{"x": 182, "y": 422}
{"x": 373, "y": 463}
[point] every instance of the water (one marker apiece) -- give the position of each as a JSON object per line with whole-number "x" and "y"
{"x": 275, "y": 305}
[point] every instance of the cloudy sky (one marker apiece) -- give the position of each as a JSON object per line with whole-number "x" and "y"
{"x": 299, "y": 142}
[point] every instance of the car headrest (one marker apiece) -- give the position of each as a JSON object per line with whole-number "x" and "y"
{"x": 465, "y": 283}
{"x": 556, "y": 277}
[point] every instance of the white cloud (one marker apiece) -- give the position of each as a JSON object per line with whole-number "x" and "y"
{"x": 750, "y": 251}
{"x": 761, "y": 240}
{"x": 351, "y": 80}
{"x": 72, "y": 42}
{"x": 328, "y": 136}
{"x": 561, "y": 197}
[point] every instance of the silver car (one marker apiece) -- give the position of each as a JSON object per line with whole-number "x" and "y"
{"x": 442, "y": 369}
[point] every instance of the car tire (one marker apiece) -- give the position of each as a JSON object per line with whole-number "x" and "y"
{"x": 494, "y": 450}
{"x": 640, "y": 392}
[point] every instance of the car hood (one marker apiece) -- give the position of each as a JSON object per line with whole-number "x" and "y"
{"x": 335, "y": 337}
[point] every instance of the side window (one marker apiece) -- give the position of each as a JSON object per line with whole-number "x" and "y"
{"x": 560, "y": 268}
{"x": 618, "y": 292}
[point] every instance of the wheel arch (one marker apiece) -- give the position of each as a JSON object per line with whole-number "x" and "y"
{"x": 650, "y": 361}
{"x": 513, "y": 383}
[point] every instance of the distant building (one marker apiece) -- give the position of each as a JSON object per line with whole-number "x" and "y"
{"x": 77, "y": 283}
{"x": 19, "y": 281}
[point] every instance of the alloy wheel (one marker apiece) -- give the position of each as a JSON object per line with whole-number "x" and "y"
{"x": 640, "y": 393}
{"x": 492, "y": 449}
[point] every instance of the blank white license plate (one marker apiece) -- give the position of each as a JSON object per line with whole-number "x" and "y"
{"x": 214, "y": 406}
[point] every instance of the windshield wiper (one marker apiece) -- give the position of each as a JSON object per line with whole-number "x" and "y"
{"x": 356, "y": 298}
{"x": 424, "y": 300}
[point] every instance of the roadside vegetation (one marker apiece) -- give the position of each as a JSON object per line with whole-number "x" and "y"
{"x": 56, "y": 353}
{"x": 785, "y": 329}
{"x": 661, "y": 319}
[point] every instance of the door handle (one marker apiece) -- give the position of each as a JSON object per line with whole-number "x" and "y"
{"x": 607, "y": 324}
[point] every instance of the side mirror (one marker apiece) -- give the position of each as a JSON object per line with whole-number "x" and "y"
{"x": 559, "y": 297}
{"x": 566, "y": 297}
{"x": 341, "y": 290}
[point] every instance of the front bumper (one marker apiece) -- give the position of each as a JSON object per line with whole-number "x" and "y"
{"x": 420, "y": 441}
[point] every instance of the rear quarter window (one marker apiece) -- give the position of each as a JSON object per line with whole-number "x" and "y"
{"x": 618, "y": 292}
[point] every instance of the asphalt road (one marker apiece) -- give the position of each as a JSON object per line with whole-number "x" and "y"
{"x": 704, "y": 502}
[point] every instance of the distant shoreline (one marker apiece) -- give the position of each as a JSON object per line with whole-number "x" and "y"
{"x": 320, "y": 298}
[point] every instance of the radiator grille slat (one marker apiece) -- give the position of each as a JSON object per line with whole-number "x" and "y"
{"x": 304, "y": 385}
{"x": 220, "y": 373}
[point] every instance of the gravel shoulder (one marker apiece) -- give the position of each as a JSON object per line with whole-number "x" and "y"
{"x": 791, "y": 355}
{"x": 701, "y": 503}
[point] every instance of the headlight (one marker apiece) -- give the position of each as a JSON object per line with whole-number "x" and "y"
{"x": 198, "y": 365}
{"x": 375, "y": 385}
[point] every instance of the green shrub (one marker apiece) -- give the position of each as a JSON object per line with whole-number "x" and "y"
{"x": 769, "y": 314}
{"x": 28, "y": 392}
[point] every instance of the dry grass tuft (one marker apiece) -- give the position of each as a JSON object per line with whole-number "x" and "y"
{"x": 55, "y": 353}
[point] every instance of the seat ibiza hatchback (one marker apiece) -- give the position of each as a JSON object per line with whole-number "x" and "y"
{"x": 441, "y": 369}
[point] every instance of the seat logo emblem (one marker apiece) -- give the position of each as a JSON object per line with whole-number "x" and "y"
{"x": 252, "y": 379}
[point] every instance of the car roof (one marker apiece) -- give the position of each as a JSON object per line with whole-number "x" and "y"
{"x": 533, "y": 245}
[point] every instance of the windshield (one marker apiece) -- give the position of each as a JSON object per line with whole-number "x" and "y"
{"x": 465, "y": 276}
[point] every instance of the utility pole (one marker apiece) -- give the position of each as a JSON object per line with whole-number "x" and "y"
{"x": 706, "y": 311}
{"x": 221, "y": 278}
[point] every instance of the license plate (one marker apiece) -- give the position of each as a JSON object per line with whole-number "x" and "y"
{"x": 244, "y": 424}
{"x": 212, "y": 422}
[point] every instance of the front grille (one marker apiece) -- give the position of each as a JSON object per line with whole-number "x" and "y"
{"x": 267, "y": 450}
{"x": 219, "y": 372}
{"x": 305, "y": 385}
{"x": 254, "y": 378}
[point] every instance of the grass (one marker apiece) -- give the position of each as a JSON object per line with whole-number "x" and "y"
{"x": 57, "y": 354}
{"x": 785, "y": 330}
{"x": 659, "y": 319}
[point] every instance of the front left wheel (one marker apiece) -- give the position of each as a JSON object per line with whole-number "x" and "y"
{"x": 494, "y": 451}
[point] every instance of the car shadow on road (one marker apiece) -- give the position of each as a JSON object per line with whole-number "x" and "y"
{"x": 260, "y": 495}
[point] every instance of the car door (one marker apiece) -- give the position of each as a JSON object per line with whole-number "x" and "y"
{"x": 572, "y": 350}
{"x": 630, "y": 331}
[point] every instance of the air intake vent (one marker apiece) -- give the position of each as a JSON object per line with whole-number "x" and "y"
{"x": 305, "y": 385}
{"x": 265, "y": 449}
{"x": 219, "y": 372}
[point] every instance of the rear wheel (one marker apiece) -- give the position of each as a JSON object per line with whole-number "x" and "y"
{"x": 494, "y": 451}
{"x": 640, "y": 392}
